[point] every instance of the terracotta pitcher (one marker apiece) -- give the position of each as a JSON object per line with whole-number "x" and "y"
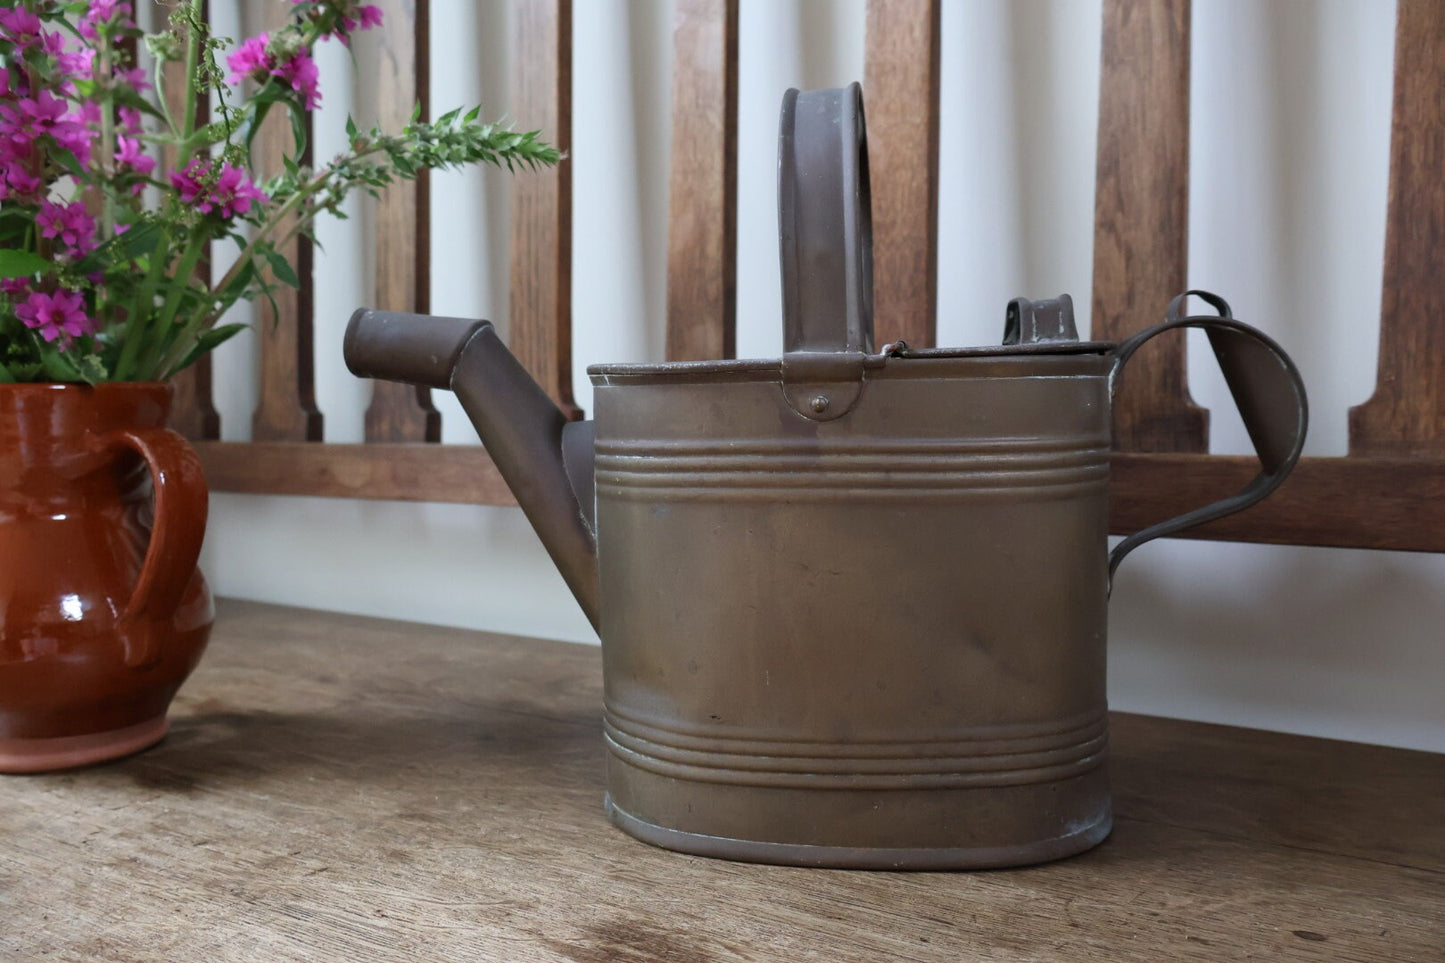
{"x": 103, "y": 613}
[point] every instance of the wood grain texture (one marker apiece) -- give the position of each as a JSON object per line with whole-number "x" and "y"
{"x": 703, "y": 188}
{"x": 286, "y": 406}
{"x": 1385, "y": 503}
{"x": 343, "y": 788}
{"x": 397, "y": 412}
{"x": 1406, "y": 415}
{"x": 1141, "y": 217}
{"x": 193, "y": 409}
{"x": 393, "y": 472}
{"x": 540, "y": 328}
{"x": 901, "y": 94}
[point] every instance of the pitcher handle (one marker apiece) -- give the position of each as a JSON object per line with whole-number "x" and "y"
{"x": 176, "y": 535}
{"x": 825, "y": 226}
{"x": 1267, "y": 390}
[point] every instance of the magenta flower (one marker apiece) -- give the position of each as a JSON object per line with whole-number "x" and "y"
{"x": 54, "y": 315}
{"x": 130, "y": 120}
{"x": 68, "y": 223}
{"x": 27, "y": 118}
{"x": 304, "y": 77}
{"x": 19, "y": 26}
{"x": 18, "y": 182}
{"x": 30, "y": 117}
{"x": 230, "y": 195}
{"x": 130, "y": 155}
{"x": 249, "y": 60}
{"x": 367, "y": 16}
{"x": 104, "y": 12}
{"x": 134, "y": 78}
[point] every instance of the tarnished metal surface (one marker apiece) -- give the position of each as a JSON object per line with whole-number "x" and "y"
{"x": 852, "y": 604}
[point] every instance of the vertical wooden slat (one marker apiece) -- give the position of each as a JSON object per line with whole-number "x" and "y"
{"x": 1142, "y": 216}
{"x": 1406, "y": 414}
{"x": 540, "y": 332}
{"x": 901, "y": 99}
{"x": 193, "y": 409}
{"x": 702, "y": 214}
{"x": 287, "y": 407}
{"x": 402, "y": 412}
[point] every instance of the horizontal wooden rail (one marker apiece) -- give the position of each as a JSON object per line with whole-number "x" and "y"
{"x": 1385, "y": 503}
{"x": 388, "y": 472}
{"x": 1380, "y": 503}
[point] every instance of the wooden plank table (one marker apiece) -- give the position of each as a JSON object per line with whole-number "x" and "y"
{"x": 349, "y": 789}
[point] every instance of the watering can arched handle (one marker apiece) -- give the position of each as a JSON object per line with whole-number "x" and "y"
{"x": 825, "y": 226}
{"x": 1267, "y": 389}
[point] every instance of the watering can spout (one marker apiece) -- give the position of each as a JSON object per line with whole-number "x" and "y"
{"x": 545, "y": 459}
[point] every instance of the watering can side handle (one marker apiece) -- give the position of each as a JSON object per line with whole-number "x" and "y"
{"x": 1267, "y": 389}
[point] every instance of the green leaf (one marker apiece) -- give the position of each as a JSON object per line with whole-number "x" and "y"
{"x": 281, "y": 267}
{"x": 21, "y": 264}
{"x": 208, "y": 342}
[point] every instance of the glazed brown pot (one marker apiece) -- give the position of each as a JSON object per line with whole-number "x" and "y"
{"x": 103, "y": 612}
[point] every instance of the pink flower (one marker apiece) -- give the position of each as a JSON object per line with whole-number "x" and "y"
{"x": 130, "y": 155}
{"x": 130, "y": 120}
{"x": 304, "y": 77}
{"x": 69, "y": 223}
{"x": 53, "y": 315}
{"x": 30, "y": 117}
{"x": 367, "y": 16}
{"x": 104, "y": 12}
{"x": 76, "y": 63}
{"x": 249, "y": 60}
{"x": 19, "y": 26}
{"x": 17, "y": 182}
{"x": 230, "y": 195}
{"x": 134, "y": 78}
{"x": 27, "y": 118}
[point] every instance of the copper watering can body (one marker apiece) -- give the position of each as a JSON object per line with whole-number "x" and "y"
{"x": 853, "y": 602}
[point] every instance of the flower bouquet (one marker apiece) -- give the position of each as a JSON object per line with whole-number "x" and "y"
{"x": 111, "y": 191}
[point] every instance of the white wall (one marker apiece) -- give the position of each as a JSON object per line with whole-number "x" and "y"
{"x": 1289, "y": 135}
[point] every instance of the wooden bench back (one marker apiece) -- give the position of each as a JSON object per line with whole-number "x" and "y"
{"x": 1389, "y": 492}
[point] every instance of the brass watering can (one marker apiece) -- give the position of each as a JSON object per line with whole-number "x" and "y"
{"x": 852, "y": 602}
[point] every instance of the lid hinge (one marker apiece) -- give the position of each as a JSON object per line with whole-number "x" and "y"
{"x": 825, "y": 385}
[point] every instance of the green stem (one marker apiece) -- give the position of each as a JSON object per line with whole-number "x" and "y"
{"x": 142, "y": 312}
{"x": 157, "y": 344}
{"x": 107, "y": 134}
{"x": 193, "y": 47}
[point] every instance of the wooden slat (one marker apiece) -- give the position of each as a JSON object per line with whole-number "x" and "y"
{"x": 1406, "y": 415}
{"x": 901, "y": 98}
{"x": 362, "y": 790}
{"x": 402, "y": 222}
{"x": 286, "y": 410}
{"x": 193, "y": 409}
{"x": 540, "y": 329}
{"x": 389, "y": 472}
{"x": 1141, "y": 221}
{"x": 1386, "y": 503}
{"x": 702, "y": 216}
